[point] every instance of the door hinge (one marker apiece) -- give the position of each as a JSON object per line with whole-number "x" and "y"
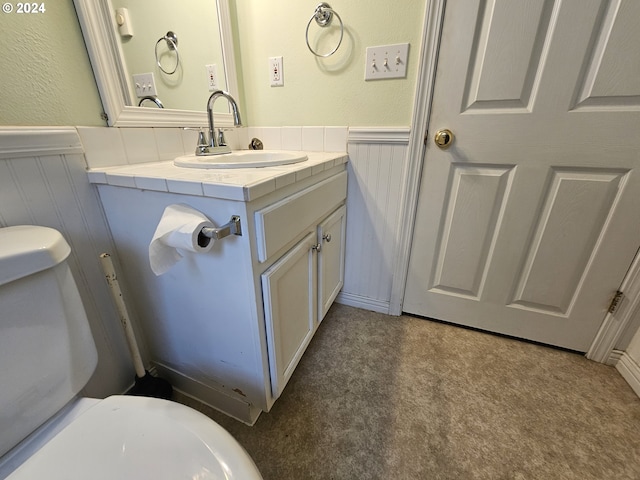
{"x": 615, "y": 302}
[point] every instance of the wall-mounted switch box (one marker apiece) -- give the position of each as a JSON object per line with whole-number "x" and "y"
{"x": 145, "y": 84}
{"x": 212, "y": 77}
{"x": 276, "y": 73}
{"x": 386, "y": 61}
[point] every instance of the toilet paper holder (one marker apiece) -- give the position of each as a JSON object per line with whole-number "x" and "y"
{"x": 233, "y": 227}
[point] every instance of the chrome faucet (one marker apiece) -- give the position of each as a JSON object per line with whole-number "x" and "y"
{"x": 213, "y": 147}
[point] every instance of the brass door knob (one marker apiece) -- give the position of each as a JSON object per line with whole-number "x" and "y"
{"x": 443, "y": 138}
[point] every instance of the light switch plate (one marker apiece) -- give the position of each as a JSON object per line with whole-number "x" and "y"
{"x": 145, "y": 85}
{"x": 386, "y": 61}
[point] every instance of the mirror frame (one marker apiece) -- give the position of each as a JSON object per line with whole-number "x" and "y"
{"x": 112, "y": 78}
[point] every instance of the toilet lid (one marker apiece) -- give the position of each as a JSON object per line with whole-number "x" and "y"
{"x": 137, "y": 437}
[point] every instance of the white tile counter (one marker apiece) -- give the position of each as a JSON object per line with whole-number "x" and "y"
{"x": 242, "y": 184}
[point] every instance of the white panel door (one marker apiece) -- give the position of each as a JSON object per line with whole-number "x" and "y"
{"x": 528, "y": 222}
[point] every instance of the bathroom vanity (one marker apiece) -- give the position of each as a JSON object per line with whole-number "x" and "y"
{"x": 229, "y": 326}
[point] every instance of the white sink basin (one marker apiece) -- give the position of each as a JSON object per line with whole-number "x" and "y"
{"x": 241, "y": 159}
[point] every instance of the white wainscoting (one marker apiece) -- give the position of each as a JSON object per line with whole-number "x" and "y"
{"x": 377, "y": 160}
{"x": 43, "y": 181}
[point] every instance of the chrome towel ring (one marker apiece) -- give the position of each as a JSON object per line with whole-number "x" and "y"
{"x": 323, "y": 15}
{"x": 172, "y": 43}
{"x": 151, "y": 98}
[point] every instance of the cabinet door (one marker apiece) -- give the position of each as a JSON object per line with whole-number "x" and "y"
{"x": 331, "y": 235}
{"x": 290, "y": 306}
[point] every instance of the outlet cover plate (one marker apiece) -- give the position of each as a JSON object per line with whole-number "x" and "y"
{"x": 276, "y": 73}
{"x": 386, "y": 61}
{"x": 212, "y": 76}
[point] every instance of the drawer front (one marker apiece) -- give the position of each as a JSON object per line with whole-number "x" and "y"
{"x": 282, "y": 223}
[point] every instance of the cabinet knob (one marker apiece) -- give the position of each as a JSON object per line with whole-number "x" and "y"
{"x": 317, "y": 247}
{"x": 327, "y": 237}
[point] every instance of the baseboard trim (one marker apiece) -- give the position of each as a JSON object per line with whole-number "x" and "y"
{"x": 208, "y": 395}
{"x": 365, "y": 303}
{"x": 614, "y": 357}
{"x": 18, "y": 142}
{"x": 630, "y": 371}
{"x": 614, "y": 326}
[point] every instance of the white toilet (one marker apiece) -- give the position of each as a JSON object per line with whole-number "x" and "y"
{"x": 48, "y": 355}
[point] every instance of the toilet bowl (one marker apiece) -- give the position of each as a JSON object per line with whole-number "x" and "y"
{"x": 46, "y": 430}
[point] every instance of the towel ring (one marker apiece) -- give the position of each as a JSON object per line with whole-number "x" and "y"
{"x": 153, "y": 99}
{"x": 323, "y": 15}
{"x": 172, "y": 43}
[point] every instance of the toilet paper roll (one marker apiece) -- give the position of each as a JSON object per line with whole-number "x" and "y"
{"x": 177, "y": 231}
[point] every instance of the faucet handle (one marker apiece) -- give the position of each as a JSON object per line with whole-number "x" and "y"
{"x": 202, "y": 135}
{"x": 221, "y": 140}
{"x": 202, "y": 138}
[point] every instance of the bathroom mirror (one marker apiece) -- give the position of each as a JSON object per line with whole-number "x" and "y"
{"x": 114, "y": 80}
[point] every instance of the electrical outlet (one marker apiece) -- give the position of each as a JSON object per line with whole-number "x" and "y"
{"x": 212, "y": 76}
{"x": 276, "y": 73}
{"x": 386, "y": 61}
{"x": 145, "y": 85}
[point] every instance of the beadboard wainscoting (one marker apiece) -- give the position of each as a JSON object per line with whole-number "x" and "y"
{"x": 377, "y": 160}
{"x": 43, "y": 181}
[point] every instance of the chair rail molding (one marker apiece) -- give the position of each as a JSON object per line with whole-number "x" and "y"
{"x": 379, "y": 135}
{"x": 16, "y": 142}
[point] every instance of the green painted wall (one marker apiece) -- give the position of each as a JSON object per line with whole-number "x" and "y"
{"x": 47, "y": 78}
{"x": 198, "y": 45}
{"x": 46, "y": 74}
{"x": 329, "y": 91}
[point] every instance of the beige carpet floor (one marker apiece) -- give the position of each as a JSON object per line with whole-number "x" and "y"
{"x": 381, "y": 397}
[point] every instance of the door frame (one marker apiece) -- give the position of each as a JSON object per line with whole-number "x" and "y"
{"x": 425, "y": 80}
{"x": 612, "y": 327}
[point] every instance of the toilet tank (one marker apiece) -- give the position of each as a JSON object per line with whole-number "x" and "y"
{"x": 47, "y": 352}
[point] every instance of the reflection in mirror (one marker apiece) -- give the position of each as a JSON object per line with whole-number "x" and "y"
{"x": 181, "y": 80}
{"x": 124, "y": 43}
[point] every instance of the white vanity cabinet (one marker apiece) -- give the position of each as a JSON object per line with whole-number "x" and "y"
{"x": 229, "y": 326}
{"x": 300, "y": 286}
{"x": 297, "y": 292}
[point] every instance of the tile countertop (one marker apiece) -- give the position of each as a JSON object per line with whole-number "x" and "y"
{"x": 243, "y": 184}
